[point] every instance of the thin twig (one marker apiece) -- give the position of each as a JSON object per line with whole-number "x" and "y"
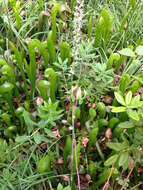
{"x": 108, "y": 180}
{"x": 138, "y": 156}
{"x": 76, "y": 164}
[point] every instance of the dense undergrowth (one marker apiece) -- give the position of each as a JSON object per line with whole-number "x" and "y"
{"x": 71, "y": 95}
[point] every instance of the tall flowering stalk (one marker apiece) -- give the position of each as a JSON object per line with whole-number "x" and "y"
{"x": 77, "y": 25}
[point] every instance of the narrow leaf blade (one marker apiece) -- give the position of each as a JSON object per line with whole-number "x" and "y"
{"x": 128, "y": 98}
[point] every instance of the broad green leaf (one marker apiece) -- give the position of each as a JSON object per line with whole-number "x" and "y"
{"x": 111, "y": 160}
{"x": 92, "y": 113}
{"x": 43, "y": 123}
{"x": 136, "y": 104}
{"x": 120, "y": 98}
{"x": 49, "y": 133}
{"x": 37, "y": 138}
{"x": 60, "y": 187}
{"x": 135, "y": 99}
{"x": 6, "y": 87}
{"x": 139, "y": 50}
{"x": 116, "y": 146}
{"x": 140, "y": 79}
{"x": 67, "y": 188}
{"x": 134, "y": 115}
{"x": 123, "y": 158}
{"x": 115, "y": 171}
{"x": 126, "y": 125}
{"x": 21, "y": 139}
{"x": 126, "y": 165}
{"x": 117, "y": 109}
{"x": 128, "y": 98}
{"x": 127, "y": 52}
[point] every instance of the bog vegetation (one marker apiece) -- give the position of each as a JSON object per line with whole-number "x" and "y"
{"x": 71, "y": 95}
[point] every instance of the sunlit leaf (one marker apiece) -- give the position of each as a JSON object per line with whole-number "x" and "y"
{"x": 135, "y": 99}
{"x": 134, "y": 115}
{"x": 60, "y": 187}
{"x": 116, "y": 146}
{"x": 120, "y": 98}
{"x": 127, "y": 52}
{"x": 126, "y": 125}
{"x": 136, "y": 104}
{"x": 139, "y": 50}
{"x": 117, "y": 109}
{"x": 128, "y": 97}
{"x": 21, "y": 139}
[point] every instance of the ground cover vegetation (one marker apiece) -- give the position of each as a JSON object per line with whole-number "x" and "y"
{"x": 71, "y": 95}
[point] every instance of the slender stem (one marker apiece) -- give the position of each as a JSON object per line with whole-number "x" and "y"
{"x": 105, "y": 187}
{"x": 136, "y": 186}
{"x": 74, "y": 147}
{"x": 138, "y": 156}
{"x": 73, "y": 138}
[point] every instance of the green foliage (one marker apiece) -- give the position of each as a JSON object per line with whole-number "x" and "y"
{"x": 65, "y": 52}
{"x": 71, "y": 116}
{"x": 89, "y": 27}
{"x": 51, "y": 47}
{"x": 44, "y": 165}
{"x": 19, "y": 60}
{"x": 104, "y": 26}
{"x": 124, "y": 81}
{"x": 50, "y": 73}
{"x": 49, "y": 114}
{"x": 113, "y": 59}
{"x": 101, "y": 108}
{"x": 67, "y": 149}
{"x": 56, "y": 8}
{"x": 60, "y": 187}
{"x": 128, "y": 105}
{"x": 43, "y": 87}
{"x": 32, "y": 67}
